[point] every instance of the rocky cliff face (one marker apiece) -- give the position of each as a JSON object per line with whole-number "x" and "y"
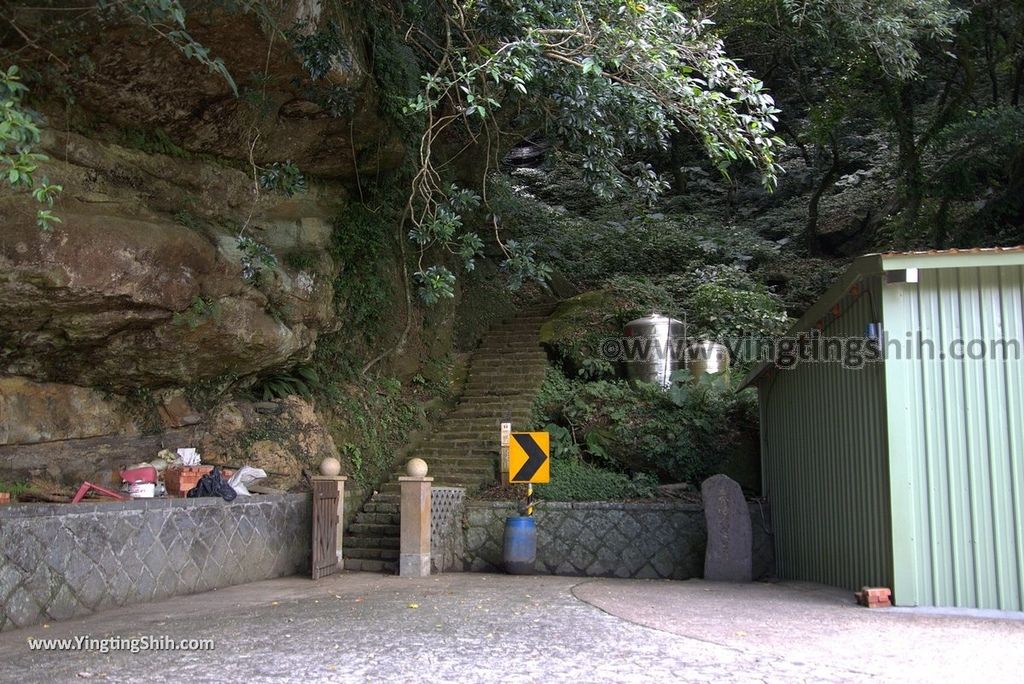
{"x": 139, "y": 293}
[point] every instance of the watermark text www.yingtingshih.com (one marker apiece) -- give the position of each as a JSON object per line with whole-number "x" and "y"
{"x": 141, "y": 644}
{"x": 789, "y": 351}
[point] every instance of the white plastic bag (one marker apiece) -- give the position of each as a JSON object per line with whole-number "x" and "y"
{"x": 245, "y": 475}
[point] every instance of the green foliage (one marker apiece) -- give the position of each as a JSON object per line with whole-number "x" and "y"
{"x": 371, "y": 423}
{"x": 891, "y": 30}
{"x": 627, "y": 240}
{"x": 154, "y": 141}
{"x": 717, "y": 312}
{"x": 284, "y": 178}
{"x": 255, "y": 257}
{"x": 575, "y": 480}
{"x": 604, "y": 82}
{"x": 302, "y": 259}
{"x": 553, "y": 395}
{"x": 19, "y": 134}
{"x": 187, "y": 219}
{"x": 319, "y": 50}
{"x": 442, "y": 228}
{"x": 198, "y": 312}
{"x": 14, "y": 488}
{"x": 799, "y": 282}
{"x": 360, "y": 244}
{"x": 976, "y": 153}
{"x": 302, "y": 380}
{"x": 638, "y": 427}
{"x": 609, "y": 80}
{"x": 434, "y": 284}
{"x": 523, "y": 265}
{"x": 395, "y": 70}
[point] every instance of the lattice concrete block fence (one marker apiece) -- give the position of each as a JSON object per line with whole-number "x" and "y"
{"x": 60, "y": 561}
{"x": 596, "y": 539}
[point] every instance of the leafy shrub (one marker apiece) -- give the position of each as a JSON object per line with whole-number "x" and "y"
{"x": 319, "y": 50}
{"x": 716, "y": 312}
{"x": 682, "y": 286}
{"x": 13, "y": 488}
{"x": 574, "y": 480}
{"x": 975, "y": 153}
{"x": 255, "y": 257}
{"x": 285, "y": 178}
{"x": 370, "y": 422}
{"x": 638, "y": 427}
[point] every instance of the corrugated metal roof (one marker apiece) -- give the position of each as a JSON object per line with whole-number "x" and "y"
{"x": 954, "y": 252}
{"x": 871, "y": 264}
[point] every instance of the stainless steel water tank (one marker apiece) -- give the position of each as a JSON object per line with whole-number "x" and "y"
{"x": 707, "y": 357}
{"x": 654, "y": 347}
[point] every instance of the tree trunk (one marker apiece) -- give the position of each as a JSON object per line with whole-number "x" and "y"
{"x": 911, "y": 175}
{"x": 810, "y": 237}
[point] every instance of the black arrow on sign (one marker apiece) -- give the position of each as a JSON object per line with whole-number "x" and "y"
{"x": 535, "y": 457}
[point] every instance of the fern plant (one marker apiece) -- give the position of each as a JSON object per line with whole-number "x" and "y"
{"x": 301, "y": 380}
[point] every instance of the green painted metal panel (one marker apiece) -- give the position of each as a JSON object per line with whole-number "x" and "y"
{"x": 956, "y": 438}
{"x": 824, "y": 461}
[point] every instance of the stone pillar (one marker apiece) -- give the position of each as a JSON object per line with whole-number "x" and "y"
{"x": 414, "y": 545}
{"x": 727, "y": 515}
{"x": 340, "y": 480}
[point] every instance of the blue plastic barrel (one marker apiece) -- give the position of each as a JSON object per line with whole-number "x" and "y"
{"x": 520, "y": 549}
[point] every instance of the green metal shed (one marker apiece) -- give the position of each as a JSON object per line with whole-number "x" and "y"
{"x": 906, "y": 471}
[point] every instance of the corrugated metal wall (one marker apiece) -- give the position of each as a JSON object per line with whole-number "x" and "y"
{"x": 957, "y": 441}
{"x": 824, "y": 462}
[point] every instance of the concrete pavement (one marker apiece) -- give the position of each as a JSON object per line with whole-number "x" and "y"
{"x": 490, "y": 628}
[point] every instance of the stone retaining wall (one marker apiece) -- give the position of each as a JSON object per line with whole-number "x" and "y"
{"x": 595, "y": 539}
{"x": 60, "y": 561}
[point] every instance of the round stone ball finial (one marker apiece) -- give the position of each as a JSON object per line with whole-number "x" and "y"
{"x": 416, "y": 467}
{"x": 330, "y": 466}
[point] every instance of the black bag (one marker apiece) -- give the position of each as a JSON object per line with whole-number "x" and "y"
{"x": 212, "y": 484}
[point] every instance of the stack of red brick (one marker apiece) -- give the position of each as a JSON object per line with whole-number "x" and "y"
{"x": 874, "y": 597}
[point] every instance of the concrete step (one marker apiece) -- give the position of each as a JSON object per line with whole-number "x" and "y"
{"x": 484, "y": 420}
{"x": 374, "y": 529}
{"x": 531, "y": 355}
{"x": 528, "y": 378}
{"x": 505, "y": 373}
{"x": 375, "y": 506}
{"x": 369, "y": 554}
{"x": 471, "y": 472}
{"x": 363, "y": 565}
{"x": 365, "y": 517}
{"x": 358, "y": 541}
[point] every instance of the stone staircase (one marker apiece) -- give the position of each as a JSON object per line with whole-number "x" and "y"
{"x": 505, "y": 373}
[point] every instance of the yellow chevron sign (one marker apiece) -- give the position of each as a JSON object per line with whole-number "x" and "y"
{"x": 529, "y": 457}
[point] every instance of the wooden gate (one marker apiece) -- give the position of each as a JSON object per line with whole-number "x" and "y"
{"x": 325, "y": 528}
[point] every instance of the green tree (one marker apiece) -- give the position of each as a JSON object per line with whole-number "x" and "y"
{"x": 604, "y": 80}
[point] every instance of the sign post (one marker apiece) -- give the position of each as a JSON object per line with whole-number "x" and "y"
{"x": 529, "y": 460}
{"x": 506, "y": 435}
